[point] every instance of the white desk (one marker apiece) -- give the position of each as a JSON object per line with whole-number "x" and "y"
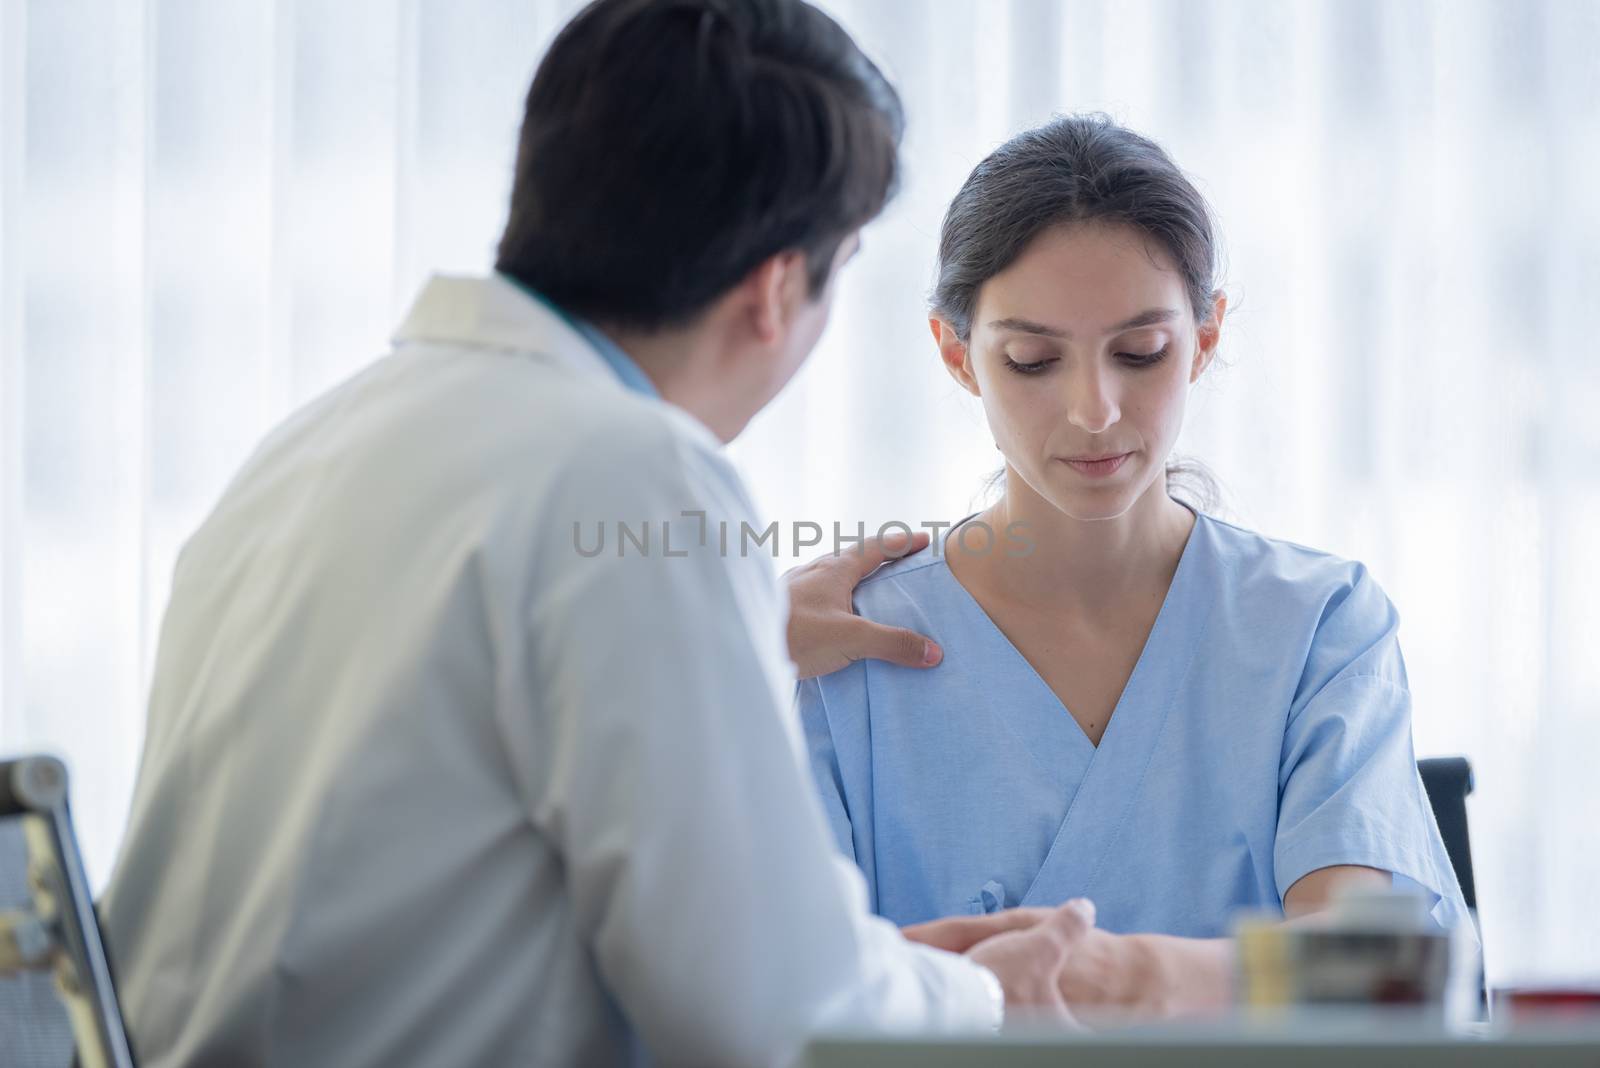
{"x": 1335, "y": 1045}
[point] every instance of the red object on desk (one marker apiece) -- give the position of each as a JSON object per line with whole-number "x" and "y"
{"x": 1546, "y": 1002}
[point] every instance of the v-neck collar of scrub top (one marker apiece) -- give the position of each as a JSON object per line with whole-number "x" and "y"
{"x": 1114, "y": 770}
{"x": 497, "y": 312}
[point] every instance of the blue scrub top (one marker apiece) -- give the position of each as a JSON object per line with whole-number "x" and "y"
{"x": 1265, "y": 732}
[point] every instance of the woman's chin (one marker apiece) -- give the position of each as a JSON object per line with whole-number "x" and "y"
{"x": 1091, "y": 504}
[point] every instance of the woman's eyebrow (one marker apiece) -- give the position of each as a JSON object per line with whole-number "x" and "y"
{"x": 1148, "y": 317}
{"x": 1026, "y": 326}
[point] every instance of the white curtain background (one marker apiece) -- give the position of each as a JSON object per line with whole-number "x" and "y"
{"x": 214, "y": 210}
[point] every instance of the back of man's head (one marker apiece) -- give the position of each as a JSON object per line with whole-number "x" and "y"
{"x": 669, "y": 147}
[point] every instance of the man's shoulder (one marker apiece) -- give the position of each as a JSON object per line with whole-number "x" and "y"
{"x": 634, "y": 444}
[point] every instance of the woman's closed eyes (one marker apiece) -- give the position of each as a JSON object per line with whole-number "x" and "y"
{"x": 1131, "y": 359}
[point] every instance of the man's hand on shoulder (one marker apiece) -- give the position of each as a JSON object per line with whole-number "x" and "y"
{"x": 826, "y": 635}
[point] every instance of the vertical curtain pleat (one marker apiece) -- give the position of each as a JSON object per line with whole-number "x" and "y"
{"x": 13, "y": 141}
{"x": 74, "y": 462}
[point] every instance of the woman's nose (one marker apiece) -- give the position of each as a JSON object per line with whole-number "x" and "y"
{"x": 1091, "y": 399}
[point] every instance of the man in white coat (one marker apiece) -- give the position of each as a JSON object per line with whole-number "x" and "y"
{"x": 428, "y": 779}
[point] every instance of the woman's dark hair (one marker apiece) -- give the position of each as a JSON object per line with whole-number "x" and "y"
{"x": 671, "y": 146}
{"x": 1076, "y": 169}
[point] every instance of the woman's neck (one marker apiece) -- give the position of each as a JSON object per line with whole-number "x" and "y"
{"x": 1089, "y": 567}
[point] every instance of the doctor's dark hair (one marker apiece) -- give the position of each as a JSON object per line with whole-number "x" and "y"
{"x": 1077, "y": 169}
{"x": 669, "y": 147}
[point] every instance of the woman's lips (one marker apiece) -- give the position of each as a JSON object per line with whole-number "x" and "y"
{"x": 1100, "y": 467}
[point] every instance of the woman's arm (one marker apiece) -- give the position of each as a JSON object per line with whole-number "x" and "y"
{"x": 1313, "y": 891}
{"x": 1164, "y": 975}
{"x": 1112, "y": 978}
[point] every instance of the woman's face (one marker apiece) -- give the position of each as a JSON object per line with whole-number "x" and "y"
{"x": 1083, "y": 351}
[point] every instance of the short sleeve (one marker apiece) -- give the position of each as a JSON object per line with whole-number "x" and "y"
{"x": 1349, "y": 789}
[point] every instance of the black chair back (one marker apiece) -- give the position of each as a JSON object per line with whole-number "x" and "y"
{"x": 1448, "y": 781}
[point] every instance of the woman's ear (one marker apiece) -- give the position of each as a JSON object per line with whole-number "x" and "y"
{"x": 955, "y": 353}
{"x": 1208, "y": 335}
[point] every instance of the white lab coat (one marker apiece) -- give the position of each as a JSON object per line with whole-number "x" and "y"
{"x": 423, "y": 785}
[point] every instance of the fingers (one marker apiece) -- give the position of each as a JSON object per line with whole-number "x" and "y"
{"x": 1032, "y": 961}
{"x": 952, "y": 935}
{"x": 1010, "y": 919}
{"x": 890, "y": 546}
{"x": 960, "y": 933}
{"x": 1072, "y": 919}
{"x": 824, "y": 633}
{"x": 874, "y": 641}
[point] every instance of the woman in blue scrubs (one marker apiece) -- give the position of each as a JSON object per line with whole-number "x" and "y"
{"x": 1139, "y": 704}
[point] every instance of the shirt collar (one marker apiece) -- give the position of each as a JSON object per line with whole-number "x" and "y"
{"x": 629, "y": 371}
